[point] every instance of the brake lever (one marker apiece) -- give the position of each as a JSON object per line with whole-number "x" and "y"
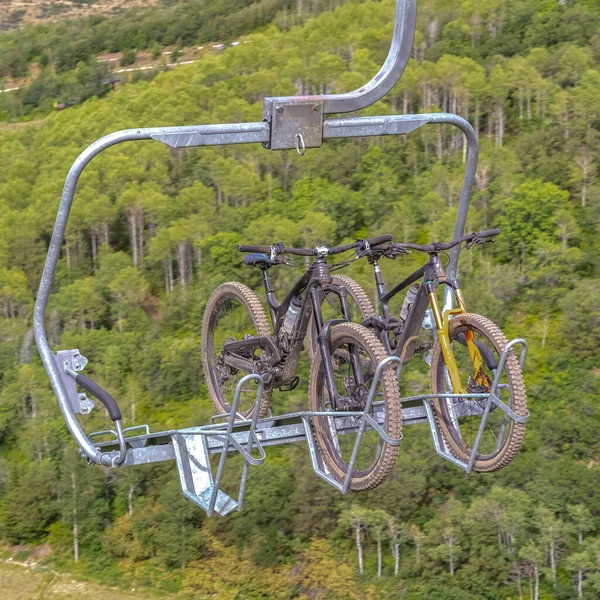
{"x": 478, "y": 240}
{"x": 395, "y": 250}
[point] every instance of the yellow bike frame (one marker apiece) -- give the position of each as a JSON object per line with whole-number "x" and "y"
{"x": 442, "y": 324}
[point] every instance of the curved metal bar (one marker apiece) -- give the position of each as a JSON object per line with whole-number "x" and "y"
{"x": 229, "y": 438}
{"x": 467, "y": 187}
{"x": 384, "y": 80}
{"x": 390, "y": 72}
{"x": 214, "y": 134}
{"x": 120, "y": 459}
{"x": 402, "y": 125}
{"x": 363, "y": 422}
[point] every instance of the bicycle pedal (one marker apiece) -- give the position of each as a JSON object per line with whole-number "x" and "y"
{"x": 292, "y": 385}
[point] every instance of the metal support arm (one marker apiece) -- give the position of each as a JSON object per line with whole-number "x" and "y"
{"x": 301, "y": 117}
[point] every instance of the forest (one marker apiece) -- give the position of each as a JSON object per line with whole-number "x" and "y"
{"x": 154, "y": 230}
{"x": 166, "y": 23}
{"x": 59, "y": 62}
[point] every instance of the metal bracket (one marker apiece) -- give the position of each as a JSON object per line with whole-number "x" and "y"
{"x": 192, "y": 455}
{"x": 297, "y": 121}
{"x": 428, "y": 320}
{"x": 491, "y": 399}
{"x": 73, "y": 359}
{"x": 294, "y": 124}
{"x": 363, "y": 418}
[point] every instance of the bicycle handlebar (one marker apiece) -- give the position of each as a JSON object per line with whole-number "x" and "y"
{"x": 472, "y": 238}
{"x": 281, "y": 249}
{"x": 376, "y": 241}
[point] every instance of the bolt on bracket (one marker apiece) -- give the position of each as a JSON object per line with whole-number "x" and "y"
{"x": 74, "y": 360}
{"x": 294, "y": 123}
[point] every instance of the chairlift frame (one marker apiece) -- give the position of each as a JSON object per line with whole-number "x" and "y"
{"x": 290, "y": 122}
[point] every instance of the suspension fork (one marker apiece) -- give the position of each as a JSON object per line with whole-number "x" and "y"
{"x": 355, "y": 358}
{"x": 474, "y": 352}
{"x": 442, "y": 323}
{"x": 323, "y": 336}
{"x": 323, "y": 339}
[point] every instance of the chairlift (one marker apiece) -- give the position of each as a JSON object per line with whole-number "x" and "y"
{"x": 289, "y": 122}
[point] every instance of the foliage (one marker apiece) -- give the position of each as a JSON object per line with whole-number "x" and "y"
{"x": 153, "y": 231}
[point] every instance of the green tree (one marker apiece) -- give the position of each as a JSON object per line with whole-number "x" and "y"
{"x": 528, "y": 214}
{"x": 356, "y": 518}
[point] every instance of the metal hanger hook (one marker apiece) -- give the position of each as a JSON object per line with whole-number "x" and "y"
{"x": 300, "y": 145}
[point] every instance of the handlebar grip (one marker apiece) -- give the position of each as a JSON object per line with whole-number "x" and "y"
{"x": 489, "y": 232}
{"x": 244, "y": 248}
{"x": 382, "y": 239}
{"x": 95, "y": 390}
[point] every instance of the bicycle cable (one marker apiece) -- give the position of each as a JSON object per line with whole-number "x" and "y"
{"x": 344, "y": 263}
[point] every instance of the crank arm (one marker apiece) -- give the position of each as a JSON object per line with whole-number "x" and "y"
{"x": 237, "y": 362}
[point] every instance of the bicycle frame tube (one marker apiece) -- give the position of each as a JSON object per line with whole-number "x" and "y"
{"x": 310, "y": 288}
{"x": 385, "y": 298}
{"x": 323, "y": 331}
{"x": 279, "y": 309}
{"x": 407, "y": 340}
{"x": 433, "y": 274}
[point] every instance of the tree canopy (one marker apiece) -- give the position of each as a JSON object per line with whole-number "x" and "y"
{"x": 153, "y": 231}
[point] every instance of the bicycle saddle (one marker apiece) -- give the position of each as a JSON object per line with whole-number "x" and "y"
{"x": 257, "y": 258}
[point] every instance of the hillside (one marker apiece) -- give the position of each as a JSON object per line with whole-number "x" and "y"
{"x": 50, "y": 49}
{"x": 30, "y": 583}
{"x": 17, "y": 13}
{"x": 153, "y": 231}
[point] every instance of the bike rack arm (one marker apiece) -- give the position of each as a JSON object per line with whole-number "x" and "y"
{"x": 467, "y": 188}
{"x": 404, "y": 124}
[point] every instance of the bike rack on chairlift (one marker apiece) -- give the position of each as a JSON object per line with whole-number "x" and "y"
{"x": 290, "y": 122}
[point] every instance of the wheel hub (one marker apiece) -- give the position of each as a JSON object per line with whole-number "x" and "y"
{"x": 356, "y": 398}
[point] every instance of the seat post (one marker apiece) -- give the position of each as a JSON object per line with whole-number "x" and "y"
{"x": 270, "y": 294}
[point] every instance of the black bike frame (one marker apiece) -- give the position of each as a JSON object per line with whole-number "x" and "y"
{"x": 431, "y": 272}
{"x": 311, "y": 289}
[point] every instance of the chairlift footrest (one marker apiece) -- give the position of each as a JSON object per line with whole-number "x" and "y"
{"x": 195, "y": 474}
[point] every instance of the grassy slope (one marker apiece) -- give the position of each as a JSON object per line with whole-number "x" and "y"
{"x": 17, "y": 13}
{"x": 19, "y": 582}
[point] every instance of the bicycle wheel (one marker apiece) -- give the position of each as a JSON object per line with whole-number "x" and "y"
{"x": 358, "y": 302}
{"x": 233, "y": 313}
{"x": 336, "y": 436}
{"x": 459, "y": 419}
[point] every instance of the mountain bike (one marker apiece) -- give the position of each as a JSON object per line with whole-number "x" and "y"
{"x": 464, "y": 357}
{"x": 237, "y": 340}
